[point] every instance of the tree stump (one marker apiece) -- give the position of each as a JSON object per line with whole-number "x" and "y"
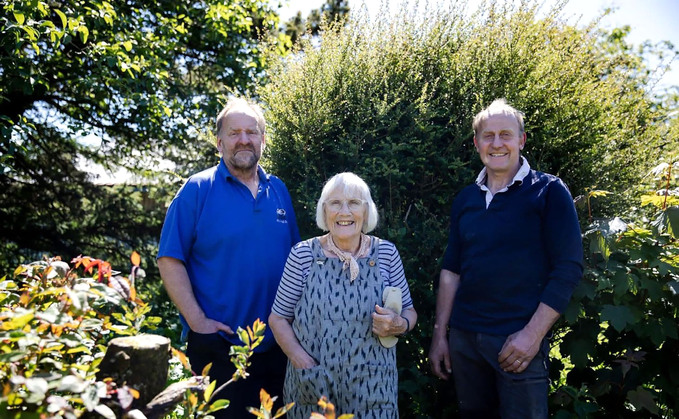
{"x": 140, "y": 362}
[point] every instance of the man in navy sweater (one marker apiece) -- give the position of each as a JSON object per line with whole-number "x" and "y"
{"x": 514, "y": 256}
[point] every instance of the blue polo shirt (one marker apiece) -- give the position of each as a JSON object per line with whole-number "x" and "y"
{"x": 234, "y": 246}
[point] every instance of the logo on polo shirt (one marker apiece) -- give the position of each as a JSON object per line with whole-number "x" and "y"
{"x": 280, "y": 216}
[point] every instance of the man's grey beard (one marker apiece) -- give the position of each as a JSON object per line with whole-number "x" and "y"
{"x": 244, "y": 164}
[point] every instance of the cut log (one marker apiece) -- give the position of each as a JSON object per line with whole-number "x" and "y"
{"x": 140, "y": 362}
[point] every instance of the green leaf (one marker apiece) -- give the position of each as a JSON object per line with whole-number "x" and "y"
{"x": 663, "y": 268}
{"x": 78, "y": 349}
{"x": 127, "y": 45}
{"x": 37, "y": 386}
{"x": 208, "y": 391}
{"x": 673, "y": 221}
{"x": 669, "y": 327}
{"x": 653, "y": 329}
{"x": 653, "y": 288}
{"x": 579, "y": 351}
{"x": 32, "y": 34}
{"x": 50, "y": 314}
{"x": 643, "y": 399}
{"x": 621, "y": 283}
{"x": 105, "y": 411}
{"x": 243, "y": 336}
{"x": 584, "y": 408}
{"x": 218, "y": 405}
{"x": 674, "y": 287}
{"x": 667, "y": 221}
{"x": 598, "y": 244}
{"x": 598, "y": 193}
{"x": 62, "y": 16}
{"x": 617, "y": 316}
{"x": 90, "y": 397}
{"x": 91, "y": 324}
{"x": 19, "y": 16}
{"x": 19, "y": 321}
{"x": 71, "y": 340}
{"x": 572, "y": 311}
{"x": 13, "y": 356}
{"x": 84, "y": 33}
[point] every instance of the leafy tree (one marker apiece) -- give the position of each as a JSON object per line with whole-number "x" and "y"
{"x": 330, "y": 11}
{"x": 145, "y": 78}
{"x": 392, "y": 99}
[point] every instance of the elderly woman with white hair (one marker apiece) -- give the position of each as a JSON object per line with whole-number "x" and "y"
{"x": 342, "y": 302}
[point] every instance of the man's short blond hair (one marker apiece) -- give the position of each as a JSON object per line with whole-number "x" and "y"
{"x": 498, "y": 107}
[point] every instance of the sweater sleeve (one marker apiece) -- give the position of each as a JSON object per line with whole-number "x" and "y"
{"x": 451, "y": 257}
{"x": 294, "y": 278}
{"x": 563, "y": 243}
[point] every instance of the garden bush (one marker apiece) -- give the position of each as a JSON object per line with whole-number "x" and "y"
{"x": 616, "y": 348}
{"x": 392, "y": 99}
{"x": 54, "y": 329}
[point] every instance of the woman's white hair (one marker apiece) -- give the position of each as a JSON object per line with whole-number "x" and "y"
{"x": 351, "y": 186}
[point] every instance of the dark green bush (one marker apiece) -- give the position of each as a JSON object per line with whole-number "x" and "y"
{"x": 617, "y": 344}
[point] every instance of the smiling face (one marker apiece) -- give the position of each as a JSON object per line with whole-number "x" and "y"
{"x": 240, "y": 140}
{"x": 499, "y": 143}
{"x": 344, "y": 215}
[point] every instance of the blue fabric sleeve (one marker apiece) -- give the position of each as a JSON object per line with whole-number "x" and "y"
{"x": 179, "y": 227}
{"x": 451, "y": 257}
{"x": 563, "y": 243}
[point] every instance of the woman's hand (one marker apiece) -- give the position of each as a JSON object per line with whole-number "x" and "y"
{"x": 285, "y": 336}
{"x": 302, "y": 360}
{"x": 387, "y": 322}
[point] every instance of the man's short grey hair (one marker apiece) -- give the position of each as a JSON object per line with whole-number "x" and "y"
{"x": 498, "y": 107}
{"x": 352, "y": 186}
{"x": 236, "y": 103}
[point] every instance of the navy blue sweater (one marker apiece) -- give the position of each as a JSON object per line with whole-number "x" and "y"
{"x": 524, "y": 249}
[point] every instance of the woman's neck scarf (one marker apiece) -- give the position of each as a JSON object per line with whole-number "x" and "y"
{"x": 347, "y": 257}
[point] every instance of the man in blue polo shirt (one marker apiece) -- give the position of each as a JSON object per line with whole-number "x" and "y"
{"x": 226, "y": 237}
{"x": 514, "y": 256}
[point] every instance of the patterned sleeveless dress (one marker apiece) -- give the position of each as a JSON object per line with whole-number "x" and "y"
{"x": 333, "y": 324}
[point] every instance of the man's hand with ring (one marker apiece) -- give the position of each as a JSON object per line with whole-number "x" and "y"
{"x": 518, "y": 350}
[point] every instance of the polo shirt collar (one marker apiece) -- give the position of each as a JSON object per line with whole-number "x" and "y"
{"x": 226, "y": 174}
{"x": 524, "y": 169}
